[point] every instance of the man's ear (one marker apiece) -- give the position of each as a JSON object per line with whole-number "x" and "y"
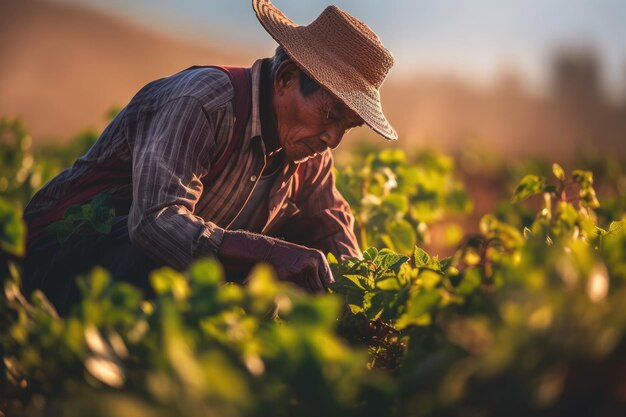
{"x": 286, "y": 75}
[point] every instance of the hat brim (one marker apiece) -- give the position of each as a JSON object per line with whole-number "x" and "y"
{"x": 338, "y": 78}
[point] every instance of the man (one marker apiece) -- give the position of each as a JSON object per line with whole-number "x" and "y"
{"x": 224, "y": 161}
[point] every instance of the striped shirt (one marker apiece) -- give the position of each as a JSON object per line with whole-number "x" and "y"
{"x": 165, "y": 141}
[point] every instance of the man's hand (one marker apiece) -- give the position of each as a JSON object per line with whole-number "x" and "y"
{"x": 303, "y": 266}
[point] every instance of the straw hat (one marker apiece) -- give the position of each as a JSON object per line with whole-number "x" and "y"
{"x": 340, "y": 53}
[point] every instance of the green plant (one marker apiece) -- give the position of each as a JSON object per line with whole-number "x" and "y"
{"x": 526, "y": 317}
{"x": 83, "y": 222}
{"x": 394, "y": 199}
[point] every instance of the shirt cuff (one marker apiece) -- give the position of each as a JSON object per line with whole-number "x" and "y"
{"x": 209, "y": 240}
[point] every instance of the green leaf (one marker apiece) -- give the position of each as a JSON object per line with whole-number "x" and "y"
{"x": 100, "y": 200}
{"x": 316, "y": 311}
{"x": 392, "y": 156}
{"x": 61, "y": 230}
{"x": 453, "y": 235}
{"x": 12, "y": 229}
{"x": 421, "y": 257}
{"x": 356, "y": 280}
{"x": 528, "y": 186}
{"x": 558, "y": 171}
{"x": 458, "y": 200}
{"x": 389, "y": 284}
{"x": 446, "y": 263}
{"x": 332, "y": 260}
{"x": 583, "y": 178}
{"x": 73, "y": 213}
{"x": 429, "y": 279}
{"x": 387, "y": 259}
{"x": 567, "y": 216}
{"x": 206, "y": 272}
{"x": 370, "y": 254}
{"x": 95, "y": 284}
{"x": 103, "y": 226}
{"x": 395, "y": 266}
{"x": 379, "y": 302}
{"x": 40, "y": 301}
{"x": 86, "y": 211}
{"x": 125, "y": 296}
{"x": 588, "y": 195}
{"x": 616, "y": 226}
{"x": 470, "y": 282}
{"x": 263, "y": 284}
{"x": 355, "y": 309}
{"x": 422, "y": 302}
{"x": 355, "y": 296}
{"x": 402, "y": 234}
{"x": 396, "y": 203}
{"x": 169, "y": 281}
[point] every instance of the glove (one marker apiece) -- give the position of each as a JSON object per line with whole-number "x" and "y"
{"x": 303, "y": 266}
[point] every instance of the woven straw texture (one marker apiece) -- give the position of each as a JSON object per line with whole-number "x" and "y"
{"x": 339, "y": 52}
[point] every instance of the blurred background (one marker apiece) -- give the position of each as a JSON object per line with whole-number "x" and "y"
{"x": 514, "y": 79}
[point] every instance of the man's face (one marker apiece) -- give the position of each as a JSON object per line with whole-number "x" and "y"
{"x": 309, "y": 125}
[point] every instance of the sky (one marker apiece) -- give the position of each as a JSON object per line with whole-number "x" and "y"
{"x": 469, "y": 38}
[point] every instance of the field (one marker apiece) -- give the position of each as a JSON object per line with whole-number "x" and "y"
{"x": 522, "y": 313}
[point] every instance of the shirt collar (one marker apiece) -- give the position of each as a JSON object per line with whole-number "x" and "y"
{"x": 255, "y": 128}
{"x": 269, "y": 131}
{"x": 263, "y": 119}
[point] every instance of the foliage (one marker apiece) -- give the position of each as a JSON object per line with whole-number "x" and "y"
{"x": 395, "y": 199}
{"x": 514, "y": 323}
{"x": 527, "y": 317}
{"x": 12, "y": 230}
{"x": 24, "y": 170}
{"x": 83, "y": 222}
{"x": 18, "y": 178}
{"x": 200, "y": 347}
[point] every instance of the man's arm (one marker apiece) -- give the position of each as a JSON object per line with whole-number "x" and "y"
{"x": 325, "y": 221}
{"x": 168, "y": 163}
{"x": 170, "y": 155}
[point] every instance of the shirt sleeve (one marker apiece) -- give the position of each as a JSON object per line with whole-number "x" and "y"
{"x": 170, "y": 156}
{"x": 324, "y": 221}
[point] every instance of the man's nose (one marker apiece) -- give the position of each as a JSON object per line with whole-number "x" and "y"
{"x": 332, "y": 136}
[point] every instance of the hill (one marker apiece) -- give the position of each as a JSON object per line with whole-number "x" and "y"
{"x": 63, "y": 66}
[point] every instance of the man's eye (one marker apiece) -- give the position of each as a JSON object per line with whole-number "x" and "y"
{"x": 331, "y": 117}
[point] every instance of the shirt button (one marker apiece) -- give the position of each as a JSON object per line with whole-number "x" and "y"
{"x": 253, "y": 178}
